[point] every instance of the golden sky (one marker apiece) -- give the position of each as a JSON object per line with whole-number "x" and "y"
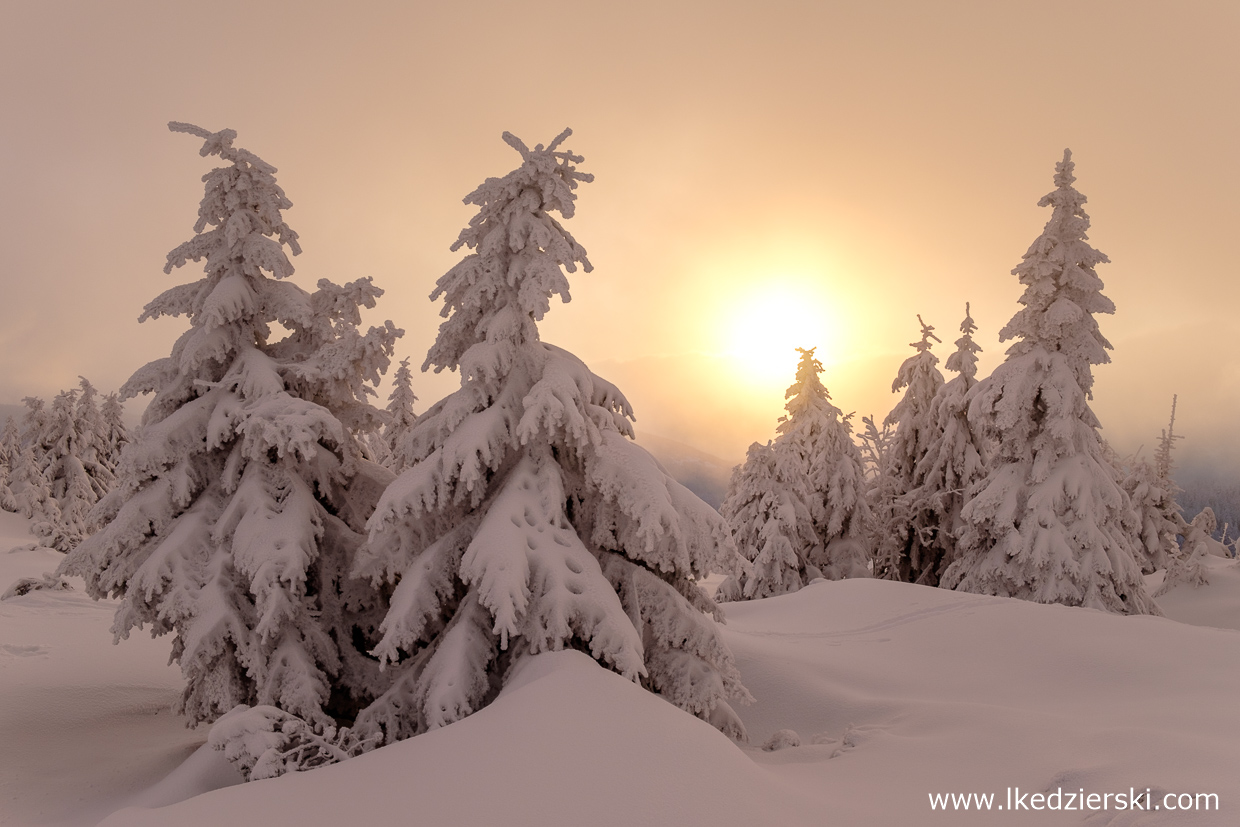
{"x": 768, "y": 176}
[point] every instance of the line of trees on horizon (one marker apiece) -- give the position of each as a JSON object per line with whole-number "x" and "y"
{"x": 1001, "y": 485}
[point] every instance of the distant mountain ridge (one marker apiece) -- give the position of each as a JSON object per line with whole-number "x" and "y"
{"x": 704, "y": 474}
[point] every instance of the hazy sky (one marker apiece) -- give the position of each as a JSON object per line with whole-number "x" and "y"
{"x": 773, "y": 174}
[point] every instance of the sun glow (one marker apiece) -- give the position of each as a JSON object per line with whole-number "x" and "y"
{"x": 765, "y": 324}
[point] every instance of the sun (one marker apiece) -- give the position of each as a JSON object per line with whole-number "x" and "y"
{"x": 766, "y": 323}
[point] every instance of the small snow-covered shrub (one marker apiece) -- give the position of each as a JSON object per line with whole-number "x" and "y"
{"x": 265, "y": 742}
{"x": 782, "y": 739}
{"x": 26, "y": 585}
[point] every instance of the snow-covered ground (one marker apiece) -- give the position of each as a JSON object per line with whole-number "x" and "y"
{"x": 896, "y": 691}
{"x": 84, "y": 725}
{"x": 1215, "y": 604}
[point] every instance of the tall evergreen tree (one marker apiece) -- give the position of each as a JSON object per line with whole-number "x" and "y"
{"x": 66, "y": 450}
{"x": 769, "y": 506}
{"x": 34, "y": 425}
{"x": 951, "y": 461}
{"x": 901, "y": 551}
{"x": 115, "y": 432}
{"x": 239, "y": 506}
{"x": 1188, "y": 565}
{"x": 400, "y": 417}
{"x": 528, "y": 521}
{"x": 817, "y": 439}
{"x": 10, "y": 442}
{"x": 1049, "y": 522}
{"x": 797, "y": 506}
{"x": 1158, "y": 514}
{"x": 874, "y": 444}
{"x": 1163, "y": 461}
{"x": 10, "y": 451}
{"x": 34, "y": 495}
{"x": 95, "y": 447}
{"x": 1153, "y": 492}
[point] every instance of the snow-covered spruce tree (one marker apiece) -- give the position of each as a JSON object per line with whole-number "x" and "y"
{"x": 78, "y": 478}
{"x": 900, "y": 548}
{"x": 874, "y": 444}
{"x": 817, "y": 440}
{"x": 8, "y": 501}
{"x": 1162, "y": 517}
{"x": 34, "y": 424}
{"x": 115, "y": 432}
{"x": 528, "y": 521}
{"x": 1049, "y": 522}
{"x": 386, "y": 446}
{"x": 90, "y": 422}
{"x": 10, "y": 452}
{"x": 951, "y": 461}
{"x": 34, "y": 496}
{"x": 1158, "y": 514}
{"x": 1164, "y": 463}
{"x": 400, "y": 417}
{"x": 1189, "y": 563}
{"x": 769, "y": 509}
{"x": 1153, "y": 494}
{"x": 10, "y": 442}
{"x": 239, "y": 505}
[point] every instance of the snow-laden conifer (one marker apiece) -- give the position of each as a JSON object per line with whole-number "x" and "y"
{"x": 93, "y": 432}
{"x": 400, "y": 417}
{"x": 10, "y": 442}
{"x": 796, "y": 506}
{"x": 70, "y": 460}
{"x": 903, "y": 551}
{"x": 266, "y": 742}
{"x": 1153, "y": 500}
{"x": 8, "y": 501}
{"x": 1188, "y": 565}
{"x": 1153, "y": 494}
{"x": 951, "y": 461}
{"x": 10, "y": 451}
{"x": 874, "y": 444}
{"x": 239, "y": 506}
{"x": 769, "y": 508}
{"x": 34, "y": 424}
{"x": 115, "y": 432}
{"x": 817, "y": 439}
{"x": 1050, "y": 522}
{"x": 33, "y": 491}
{"x": 1164, "y": 463}
{"x": 527, "y": 520}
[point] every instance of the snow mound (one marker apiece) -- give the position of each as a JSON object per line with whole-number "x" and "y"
{"x": 84, "y": 726}
{"x": 1217, "y": 603}
{"x": 932, "y": 691}
{"x": 898, "y": 692}
{"x": 565, "y": 743}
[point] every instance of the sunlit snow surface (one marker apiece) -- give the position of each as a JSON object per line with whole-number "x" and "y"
{"x": 896, "y": 691}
